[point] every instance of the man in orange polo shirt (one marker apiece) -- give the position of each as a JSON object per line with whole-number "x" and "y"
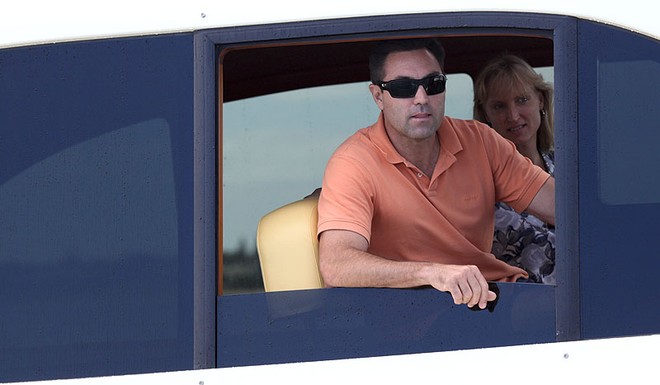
{"x": 409, "y": 201}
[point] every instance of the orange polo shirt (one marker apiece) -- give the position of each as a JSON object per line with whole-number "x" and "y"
{"x": 370, "y": 189}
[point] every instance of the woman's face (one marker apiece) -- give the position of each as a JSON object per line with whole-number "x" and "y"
{"x": 515, "y": 113}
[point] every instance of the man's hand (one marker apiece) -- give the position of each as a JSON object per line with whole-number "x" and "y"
{"x": 466, "y": 284}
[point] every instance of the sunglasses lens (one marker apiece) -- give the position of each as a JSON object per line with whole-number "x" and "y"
{"x": 402, "y": 88}
{"x": 407, "y": 88}
{"x": 435, "y": 85}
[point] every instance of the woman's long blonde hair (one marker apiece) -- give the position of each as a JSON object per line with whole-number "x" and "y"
{"x": 511, "y": 71}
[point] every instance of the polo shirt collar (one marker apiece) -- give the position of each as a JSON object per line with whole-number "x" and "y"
{"x": 449, "y": 142}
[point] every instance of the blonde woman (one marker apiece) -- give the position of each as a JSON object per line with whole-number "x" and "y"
{"x": 516, "y": 101}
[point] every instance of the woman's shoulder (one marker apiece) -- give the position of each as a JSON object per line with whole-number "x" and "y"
{"x": 549, "y": 160}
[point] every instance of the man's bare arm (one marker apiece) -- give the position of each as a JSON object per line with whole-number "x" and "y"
{"x": 543, "y": 204}
{"x": 344, "y": 262}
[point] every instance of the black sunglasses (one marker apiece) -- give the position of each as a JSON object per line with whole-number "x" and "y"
{"x": 407, "y": 88}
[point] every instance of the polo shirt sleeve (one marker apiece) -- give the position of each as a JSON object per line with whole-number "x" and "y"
{"x": 346, "y": 201}
{"x": 517, "y": 180}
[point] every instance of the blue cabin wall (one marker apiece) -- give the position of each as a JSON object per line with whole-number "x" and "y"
{"x": 619, "y": 191}
{"x": 312, "y": 325}
{"x": 96, "y": 195}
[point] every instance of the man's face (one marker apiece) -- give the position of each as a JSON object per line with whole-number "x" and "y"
{"x": 417, "y": 117}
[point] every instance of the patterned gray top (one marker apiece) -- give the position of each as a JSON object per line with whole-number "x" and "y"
{"x": 525, "y": 241}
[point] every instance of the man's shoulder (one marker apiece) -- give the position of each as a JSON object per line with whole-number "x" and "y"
{"x": 368, "y": 142}
{"x": 356, "y": 142}
{"x": 466, "y": 129}
{"x": 470, "y": 124}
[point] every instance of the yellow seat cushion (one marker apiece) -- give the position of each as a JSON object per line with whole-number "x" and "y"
{"x": 288, "y": 247}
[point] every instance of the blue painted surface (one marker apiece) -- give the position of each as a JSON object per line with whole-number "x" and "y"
{"x": 96, "y": 196}
{"x": 313, "y": 325}
{"x": 619, "y": 208}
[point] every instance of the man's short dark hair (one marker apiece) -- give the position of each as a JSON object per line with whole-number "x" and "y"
{"x": 383, "y": 49}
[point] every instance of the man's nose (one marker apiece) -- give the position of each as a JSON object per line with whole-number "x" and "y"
{"x": 420, "y": 95}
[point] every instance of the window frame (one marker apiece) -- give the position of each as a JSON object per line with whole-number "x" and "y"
{"x": 562, "y": 29}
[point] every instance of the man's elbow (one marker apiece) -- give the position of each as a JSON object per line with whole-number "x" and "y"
{"x": 337, "y": 257}
{"x": 328, "y": 274}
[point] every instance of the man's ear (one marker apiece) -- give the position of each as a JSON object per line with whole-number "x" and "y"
{"x": 377, "y": 94}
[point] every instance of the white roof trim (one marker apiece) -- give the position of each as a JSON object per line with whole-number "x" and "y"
{"x": 43, "y": 21}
